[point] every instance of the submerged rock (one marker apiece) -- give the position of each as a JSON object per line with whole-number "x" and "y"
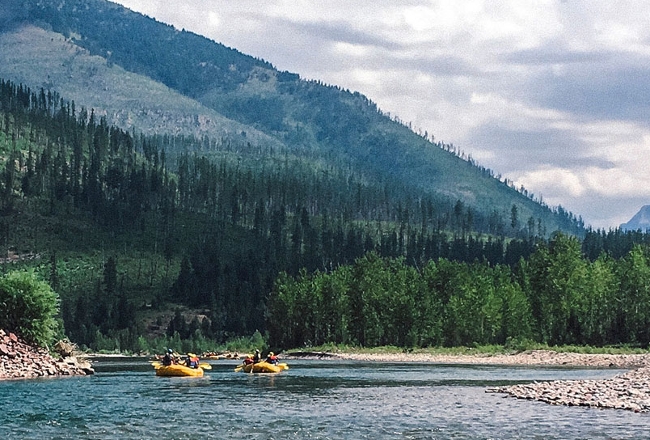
{"x": 21, "y": 360}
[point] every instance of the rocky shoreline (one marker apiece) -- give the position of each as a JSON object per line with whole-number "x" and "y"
{"x": 19, "y": 360}
{"x": 627, "y": 391}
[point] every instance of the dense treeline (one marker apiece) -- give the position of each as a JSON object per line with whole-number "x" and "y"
{"x": 557, "y": 296}
{"x": 616, "y": 242}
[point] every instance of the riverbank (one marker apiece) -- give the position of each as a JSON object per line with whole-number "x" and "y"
{"x": 19, "y": 360}
{"x": 628, "y": 391}
{"x": 525, "y": 358}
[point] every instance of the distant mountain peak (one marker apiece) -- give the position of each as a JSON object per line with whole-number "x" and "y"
{"x": 641, "y": 220}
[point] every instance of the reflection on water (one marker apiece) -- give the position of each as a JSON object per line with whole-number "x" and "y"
{"x": 314, "y": 399}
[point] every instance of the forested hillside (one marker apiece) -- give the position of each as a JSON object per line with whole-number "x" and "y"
{"x": 148, "y": 244}
{"x": 243, "y": 99}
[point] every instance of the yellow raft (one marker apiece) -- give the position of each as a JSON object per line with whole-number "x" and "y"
{"x": 178, "y": 370}
{"x": 264, "y": 367}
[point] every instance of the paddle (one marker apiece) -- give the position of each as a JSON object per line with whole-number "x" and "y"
{"x": 242, "y": 367}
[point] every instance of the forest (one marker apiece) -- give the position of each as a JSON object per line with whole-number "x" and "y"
{"x": 156, "y": 240}
{"x": 557, "y": 296}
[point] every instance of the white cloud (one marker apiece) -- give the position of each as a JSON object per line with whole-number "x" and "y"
{"x": 214, "y": 19}
{"x": 553, "y": 180}
{"x": 352, "y": 50}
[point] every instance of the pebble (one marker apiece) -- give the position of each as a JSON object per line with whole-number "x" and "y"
{"x": 628, "y": 391}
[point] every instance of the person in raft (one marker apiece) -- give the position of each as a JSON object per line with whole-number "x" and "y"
{"x": 168, "y": 358}
{"x": 257, "y": 357}
{"x": 192, "y": 360}
{"x": 272, "y": 358}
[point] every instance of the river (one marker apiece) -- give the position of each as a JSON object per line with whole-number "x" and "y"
{"x": 312, "y": 400}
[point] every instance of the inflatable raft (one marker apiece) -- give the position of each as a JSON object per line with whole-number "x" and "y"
{"x": 263, "y": 367}
{"x": 178, "y": 370}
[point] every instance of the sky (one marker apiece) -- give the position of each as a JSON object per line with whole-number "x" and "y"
{"x": 551, "y": 94}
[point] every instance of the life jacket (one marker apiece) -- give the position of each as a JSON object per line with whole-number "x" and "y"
{"x": 248, "y": 361}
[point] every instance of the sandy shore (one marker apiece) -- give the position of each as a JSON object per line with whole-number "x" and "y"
{"x": 531, "y": 357}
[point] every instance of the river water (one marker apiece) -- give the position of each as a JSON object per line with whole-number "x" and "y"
{"x": 312, "y": 400}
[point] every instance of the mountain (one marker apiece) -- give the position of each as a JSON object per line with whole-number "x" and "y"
{"x": 640, "y": 221}
{"x": 148, "y": 77}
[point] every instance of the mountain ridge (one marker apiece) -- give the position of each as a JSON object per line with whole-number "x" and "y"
{"x": 269, "y": 107}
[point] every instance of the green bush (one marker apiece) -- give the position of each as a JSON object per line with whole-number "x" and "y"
{"x": 28, "y": 307}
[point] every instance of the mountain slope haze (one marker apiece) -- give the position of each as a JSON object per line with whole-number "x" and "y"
{"x": 150, "y": 77}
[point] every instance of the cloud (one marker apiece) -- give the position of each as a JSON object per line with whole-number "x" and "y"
{"x": 555, "y": 53}
{"x": 514, "y": 149}
{"x": 599, "y": 92}
{"x": 335, "y": 32}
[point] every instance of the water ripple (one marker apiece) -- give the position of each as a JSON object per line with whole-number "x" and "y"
{"x": 312, "y": 400}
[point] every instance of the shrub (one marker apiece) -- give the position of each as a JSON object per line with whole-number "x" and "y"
{"x": 28, "y": 307}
